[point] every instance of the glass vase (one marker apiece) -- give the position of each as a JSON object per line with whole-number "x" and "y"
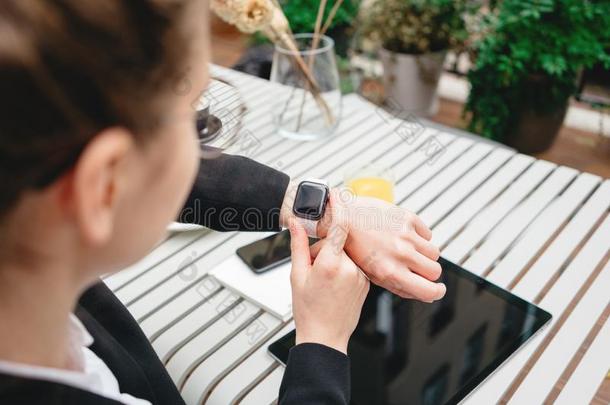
{"x": 309, "y": 106}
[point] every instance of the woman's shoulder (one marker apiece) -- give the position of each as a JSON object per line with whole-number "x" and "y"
{"x": 16, "y": 390}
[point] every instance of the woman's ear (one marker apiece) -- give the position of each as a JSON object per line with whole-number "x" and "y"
{"x": 96, "y": 181}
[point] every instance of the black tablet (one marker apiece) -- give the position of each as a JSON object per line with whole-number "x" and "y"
{"x": 408, "y": 352}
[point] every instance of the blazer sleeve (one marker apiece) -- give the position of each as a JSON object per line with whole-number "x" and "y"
{"x": 315, "y": 374}
{"x": 235, "y": 193}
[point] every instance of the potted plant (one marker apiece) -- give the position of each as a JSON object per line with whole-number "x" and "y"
{"x": 414, "y": 37}
{"x": 527, "y": 66}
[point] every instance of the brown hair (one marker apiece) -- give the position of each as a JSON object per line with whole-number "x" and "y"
{"x": 70, "y": 68}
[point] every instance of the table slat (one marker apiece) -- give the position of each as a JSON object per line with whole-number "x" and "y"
{"x": 431, "y": 188}
{"x": 565, "y": 243}
{"x": 175, "y": 310}
{"x": 194, "y": 323}
{"x": 448, "y": 227}
{"x": 589, "y": 373}
{"x": 200, "y": 383}
{"x": 241, "y": 378}
{"x": 388, "y": 151}
{"x": 266, "y": 391}
{"x": 160, "y": 317}
{"x": 279, "y": 151}
{"x": 458, "y": 191}
{"x": 178, "y": 263}
{"x": 519, "y": 218}
{"x": 555, "y": 358}
{"x": 412, "y": 171}
{"x": 543, "y": 229}
{"x": 346, "y": 145}
{"x": 209, "y": 340}
{"x": 188, "y": 276}
{"x": 484, "y": 222}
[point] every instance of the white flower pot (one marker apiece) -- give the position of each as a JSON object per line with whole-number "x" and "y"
{"x": 411, "y": 81}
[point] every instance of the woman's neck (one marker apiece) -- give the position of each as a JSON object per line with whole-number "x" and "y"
{"x": 35, "y": 307}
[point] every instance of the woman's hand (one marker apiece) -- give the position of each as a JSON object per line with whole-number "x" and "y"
{"x": 391, "y": 245}
{"x": 327, "y": 295}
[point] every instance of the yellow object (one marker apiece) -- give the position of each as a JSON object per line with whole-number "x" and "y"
{"x": 373, "y": 187}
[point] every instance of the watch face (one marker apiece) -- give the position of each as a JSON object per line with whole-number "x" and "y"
{"x": 310, "y": 200}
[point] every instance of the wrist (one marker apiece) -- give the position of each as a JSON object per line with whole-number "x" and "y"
{"x": 286, "y": 213}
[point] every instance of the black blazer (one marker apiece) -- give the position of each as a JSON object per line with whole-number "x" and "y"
{"x": 231, "y": 193}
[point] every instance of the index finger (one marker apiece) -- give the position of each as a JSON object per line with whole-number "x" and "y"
{"x": 334, "y": 241}
{"x": 337, "y": 234}
{"x": 314, "y": 249}
{"x": 412, "y": 284}
{"x": 421, "y": 228}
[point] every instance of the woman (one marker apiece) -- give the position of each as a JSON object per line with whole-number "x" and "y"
{"x": 98, "y": 152}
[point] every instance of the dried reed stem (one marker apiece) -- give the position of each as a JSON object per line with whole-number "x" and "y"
{"x": 331, "y": 16}
{"x": 314, "y": 45}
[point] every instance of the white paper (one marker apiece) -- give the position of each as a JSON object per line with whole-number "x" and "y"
{"x": 180, "y": 227}
{"x": 270, "y": 290}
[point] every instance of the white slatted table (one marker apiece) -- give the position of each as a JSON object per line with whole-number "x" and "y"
{"x": 541, "y": 230}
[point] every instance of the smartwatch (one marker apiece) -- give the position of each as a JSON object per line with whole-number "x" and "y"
{"x": 310, "y": 204}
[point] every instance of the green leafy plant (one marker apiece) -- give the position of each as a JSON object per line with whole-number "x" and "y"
{"x": 416, "y": 26}
{"x": 530, "y": 57}
{"x": 302, "y": 14}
